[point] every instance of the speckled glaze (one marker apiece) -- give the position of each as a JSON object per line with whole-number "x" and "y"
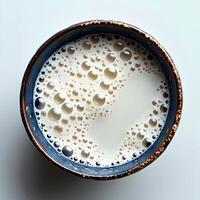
{"x": 74, "y": 32}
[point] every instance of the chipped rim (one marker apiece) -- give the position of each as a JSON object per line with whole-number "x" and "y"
{"x": 170, "y": 132}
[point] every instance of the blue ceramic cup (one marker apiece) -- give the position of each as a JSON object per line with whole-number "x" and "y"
{"x": 68, "y": 35}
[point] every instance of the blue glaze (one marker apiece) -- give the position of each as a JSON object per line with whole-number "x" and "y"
{"x": 47, "y": 51}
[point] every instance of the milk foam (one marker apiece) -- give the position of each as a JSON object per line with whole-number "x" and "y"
{"x": 101, "y": 100}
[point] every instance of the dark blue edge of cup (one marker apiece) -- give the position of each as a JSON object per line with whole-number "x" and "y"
{"x": 68, "y": 35}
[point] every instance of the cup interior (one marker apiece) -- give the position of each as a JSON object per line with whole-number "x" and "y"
{"x": 75, "y": 32}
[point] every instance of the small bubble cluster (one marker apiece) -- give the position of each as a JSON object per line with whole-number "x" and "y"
{"x": 81, "y": 82}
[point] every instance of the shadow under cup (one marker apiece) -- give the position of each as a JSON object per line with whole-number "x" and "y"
{"x": 68, "y": 35}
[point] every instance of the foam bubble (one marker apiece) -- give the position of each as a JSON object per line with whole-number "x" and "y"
{"x": 59, "y": 98}
{"x": 71, "y": 50}
{"x": 58, "y": 129}
{"x": 86, "y": 45}
{"x": 50, "y": 85}
{"x": 67, "y": 108}
{"x": 40, "y": 103}
{"x": 65, "y": 121}
{"x": 153, "y": 122}
{"x": 80, "y": 107}
{"x": 56, "y": 144}
{"x": 110, "y": 73}
{"x": 95, "y": 39}
{"x": 92, "y": 75}
{"x": 126, "y": 54}
{"x": 105, "y": 85}
{"x": 39, "y": 90}
{"x": 99, "y": 99}
{"x": 86, "y": 65}
{"x": 146, "y": 142}
{"x": 163, "y": 108}
{"x": 111, "y": 57}
{"x": 85, "y": 153}
{"x": 118, "y": 46}
{"x": 67, "y": 151}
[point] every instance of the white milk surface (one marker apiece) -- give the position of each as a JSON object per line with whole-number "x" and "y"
{"x": 101, "y": 100}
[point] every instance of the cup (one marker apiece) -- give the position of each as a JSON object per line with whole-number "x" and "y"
{"x": 72, "y": 33}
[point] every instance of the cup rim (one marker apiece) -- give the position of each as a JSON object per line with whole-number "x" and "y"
{"x": 170, "y": 132}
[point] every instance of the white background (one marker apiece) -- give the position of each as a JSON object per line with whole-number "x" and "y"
{"x": 24, "y": 173}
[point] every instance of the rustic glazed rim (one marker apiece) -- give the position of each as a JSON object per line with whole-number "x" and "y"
{"x": 170, "y": 132}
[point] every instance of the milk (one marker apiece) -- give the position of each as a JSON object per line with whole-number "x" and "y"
{"x": 101, "y": 100}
